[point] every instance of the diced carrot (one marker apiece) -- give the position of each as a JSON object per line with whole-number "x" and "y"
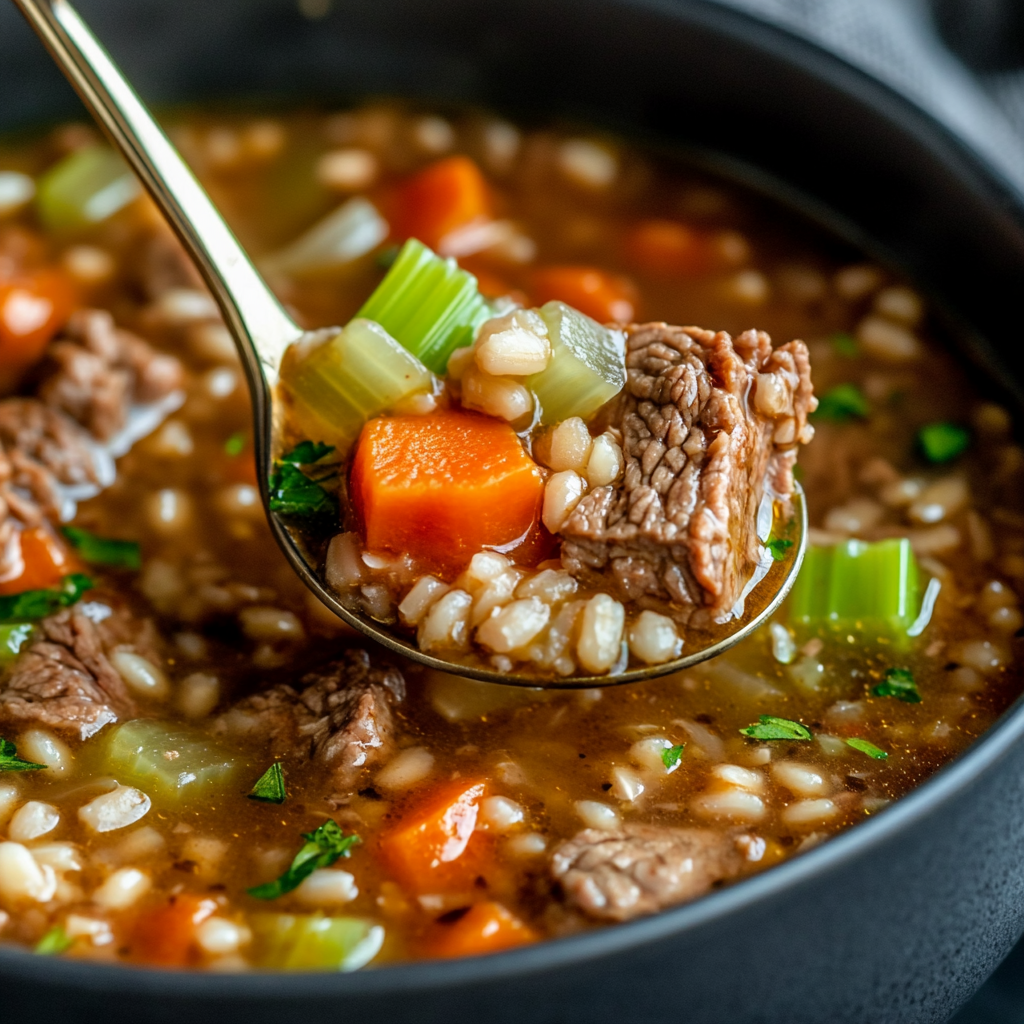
{"x": 433, "y": 846}
{"x": 601, "y": 296}
{"x": 444, "y": 486}
{"x": 165, "y": 937}
{"x": 32, "y": 309}
{"x": 438, "y": 200}
{"x": 40, "y": 562}
{"x": 483, "y": 928}
{"x": 668, "y": 248}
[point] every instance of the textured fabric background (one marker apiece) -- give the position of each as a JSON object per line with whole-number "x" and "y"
{"x": 896, "y": 41}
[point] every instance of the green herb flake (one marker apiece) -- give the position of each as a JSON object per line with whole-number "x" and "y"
{"x": 292, "y": 493}
{"x": 235, "y": 444}
{"x": 844, "y": 402}
{"x": 778, "y": 547}
{"x": 898, "y": 683}
{"x": 845, "y": 344}
{"x": 321, "y": 849}
{"x": 671, "y": 756}
{"x": 54, "y": 942}
{"x": 866, "y": 747}
{"x": 31, "y": 605}
{"x": 771, "y": 728}
{"x": 269, "y": 788}
{"x": 306, "y": 453}
{"x": 10, "y": 762}
{"x": 943, "y": 442}
{"x": 115, "y": 554}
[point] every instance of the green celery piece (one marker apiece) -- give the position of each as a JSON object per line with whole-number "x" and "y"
{"x": 429, "y": 304}
{"x": 136, "y": 750}
{"x": 587, "y": 368}
{"x": 12, "y": 637}
{"x": 84, "y": 189}
{"x": 858, "y": 586}
{"x": 313, "y": 942}
{"x": 338, "y": 383}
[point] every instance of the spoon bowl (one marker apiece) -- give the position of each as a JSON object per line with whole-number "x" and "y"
{"x": 262, "y": 331}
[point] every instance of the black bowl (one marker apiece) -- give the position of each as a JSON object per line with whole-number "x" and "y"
{"x": 903, "y": 917}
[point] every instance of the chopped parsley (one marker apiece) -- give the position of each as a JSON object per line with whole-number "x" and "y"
{"x": 898, "y": 683}
{"x": 30, "y": 605}
{"x": 671, "y": 756}
{"x": 771, "y": 728}
{"x": 117, "y": 554}
{"x": 55, "y": 941}
{"x": 308, "y": 452}
{"x": 867, "y": 748}
{"x": 845, "y": 344}
{"x": 10, "y": 762}
{"x": 778, "y": 547}
{"x": 293, "y": 492}
{"x": 943, "y": 442}
{"x": 269, "y": 788}
{"x": 844, "y": 402}
{"x": 235, "y": 444}
{"x": 321, "y": 849}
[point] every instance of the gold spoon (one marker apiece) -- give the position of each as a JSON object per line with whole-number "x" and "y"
{"x": 262, "y": 330}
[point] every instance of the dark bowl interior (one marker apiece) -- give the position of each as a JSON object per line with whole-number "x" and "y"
{"x": 898, "y": 920}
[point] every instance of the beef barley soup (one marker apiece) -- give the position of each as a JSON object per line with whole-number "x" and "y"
{"x": 202, "y": 767}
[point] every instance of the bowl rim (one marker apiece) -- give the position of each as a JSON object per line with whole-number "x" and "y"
{"x": 555, "y": 954}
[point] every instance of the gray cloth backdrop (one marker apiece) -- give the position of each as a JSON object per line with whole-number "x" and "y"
{"x": 896, "y": 41}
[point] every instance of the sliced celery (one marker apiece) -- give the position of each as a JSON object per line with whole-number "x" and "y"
{"x": 84, "y": 189}
{"x": 352, "y": 230}
{"x": 587, "y": 368}
{"x": 429, "y": 304}
{"x": 313, "y": 942}
{"x": 339, "y": 382}
{"x": 859, "y": 587}
{"x": 12, "y": 636}
{"x": 169, "y": 761}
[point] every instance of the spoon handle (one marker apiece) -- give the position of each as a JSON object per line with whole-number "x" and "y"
{"x": 260, "y": 326}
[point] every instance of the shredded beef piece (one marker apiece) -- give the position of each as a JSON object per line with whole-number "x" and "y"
{"x": 615, "y": 876}
{"x": 40, "y": 449}
{"x": 97, "y": 371}
{"x": 340, "y": 717}
{"x": 707, "y": 423}
{"x": 65, "y": 680}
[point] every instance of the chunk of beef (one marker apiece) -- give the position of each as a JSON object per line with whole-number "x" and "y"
{"x": 96, "y": 371}
{"x": 340, "y": 718}
{"x": 65, "y": 679}
{"x": 615, "y": 876}
{"x": 707, "y": 425}
{"x": 40, "y": 450}
{"x": 40, "y": 447}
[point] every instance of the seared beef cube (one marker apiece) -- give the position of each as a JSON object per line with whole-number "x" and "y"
{"x": 65, "y": 679}
{"x": 707, "y": 425}
{"x": 340, "y": 718}
{"x": 615, "y": 876}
